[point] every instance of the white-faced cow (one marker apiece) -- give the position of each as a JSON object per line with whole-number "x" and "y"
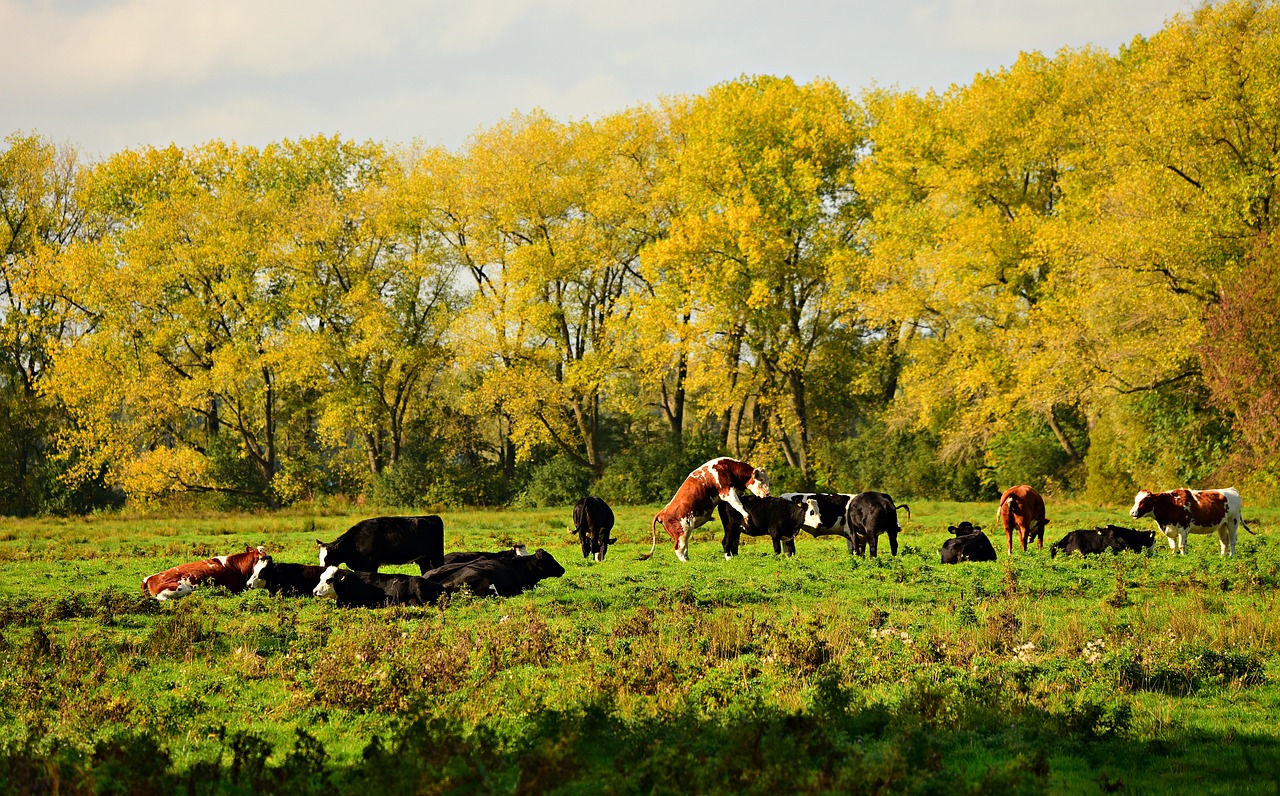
{"x": 592, "y": 521}
{"x": 379, "y": 541}
{"x": 376, "y": 589}
{"x": 1023, "y": 508}
{"x": 970, "y": 544}
{"x": 1097, "y": 540}
{"x": 870, "y": 514}
{"x": 502, "y": 577}
{"x": 1179, "y": 512}
{"x": 777, "y": 518}
{"x": 230, "y": 571}
{"x": 831, "y": 514}
{"x": 696, "y": 499}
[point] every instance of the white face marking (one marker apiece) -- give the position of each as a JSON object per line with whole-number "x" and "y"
{"x": 325, "y": 587}
{"x": 1133, "y": 512}
{"x": 324, "y": 551}
{"x": 256, "y": 580}
{"x": 521, "y": 550}
{"x": 812, "y": 517}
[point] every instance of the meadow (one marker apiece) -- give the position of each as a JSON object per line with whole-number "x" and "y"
{"x": 821, "y": 673}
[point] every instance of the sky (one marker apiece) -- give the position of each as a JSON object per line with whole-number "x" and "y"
{"x": 107, "y": 75}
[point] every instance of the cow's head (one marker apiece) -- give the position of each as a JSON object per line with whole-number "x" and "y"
{"x": 545, "y": 565}
{"x": 324, "y": 552}
{"x": 257, "y": 579}
{"x": 758, "y": 484}
{"x": 1143, "y": 504}
{"x": 325, "y": 587}
{"x": 812, "y": 514}
{"x": 965, "y": 528}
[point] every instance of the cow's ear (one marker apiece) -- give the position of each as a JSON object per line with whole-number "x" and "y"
{"x": 320, "y": 543}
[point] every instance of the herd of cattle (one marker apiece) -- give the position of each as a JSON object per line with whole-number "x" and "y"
{"x": 736, "y": 491}
{"x": 366, "y": 546}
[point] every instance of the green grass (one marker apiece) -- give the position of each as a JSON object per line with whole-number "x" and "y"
{"x": 821, "y": 673}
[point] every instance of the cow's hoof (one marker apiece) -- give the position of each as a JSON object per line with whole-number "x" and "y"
{"x": 682, "y": 556}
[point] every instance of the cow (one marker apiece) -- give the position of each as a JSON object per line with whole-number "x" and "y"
{"x": 504, "y": 577}
{"x": 870, "y": 514}
{"x": 290, "y": 580}
{"x": 230, "y": 571}
{"x": 1179, "y": 512}
{"x": 970, "y": 544}
{"x": 831, "y": 510}
{"x": 1022, "y": 507}
{"x": 379, "y": 541}
{"x": 374, "y": 589}
{"x": 1112, "y": 537}
{"x": 453, "y": 559}
{"x": 592, "y": 520}
{"x": 696, "y": 500}
{"x": 777, "y": 518}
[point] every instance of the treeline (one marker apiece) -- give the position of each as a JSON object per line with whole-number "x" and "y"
{"x": 1058, "y": 274}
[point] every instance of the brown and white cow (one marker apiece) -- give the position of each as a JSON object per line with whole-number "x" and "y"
{"x": 1022, "y": 507}
{"x": 232, "y": 571}
{"x": 696, "y": 499}
{"x": 1179, "y": 512}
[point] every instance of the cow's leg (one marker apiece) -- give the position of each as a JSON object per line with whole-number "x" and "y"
{"x": 874, "y": 543}
{"x": 1182, "y": 541}
{"x": 733, "y": 500}
{"x": 848, "y": 540}
{"x": 893, "y": 542}
{"x": 682, "y": 541}
{"x": 789, "y": 546}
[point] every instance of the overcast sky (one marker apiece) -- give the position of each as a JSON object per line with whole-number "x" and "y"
{"x": 106, "y": 75}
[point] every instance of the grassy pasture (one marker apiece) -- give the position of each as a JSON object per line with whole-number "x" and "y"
{"x": 820, "y": 673}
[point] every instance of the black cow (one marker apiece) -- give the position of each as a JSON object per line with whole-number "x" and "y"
{"x": 776, "y": 518}
{"x": 970, "y": 544}
{"x": 592, "y": 520}
{"x": 290, "y": 580}
{"x": 504, "y": 577}
{"x": 870, "y": 514}
{"x": 375, "y": 590}
{"x": 831, "y": 511}
{"x": 375, "y": 542}
{"x": 1112, "y": 537}
{"x": 452, "y": 559}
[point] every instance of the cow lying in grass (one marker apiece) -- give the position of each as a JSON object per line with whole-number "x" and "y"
{"x": 1113, "y": 538}
{"x": 232, "y": 572}
{"x": 970, "y": 544}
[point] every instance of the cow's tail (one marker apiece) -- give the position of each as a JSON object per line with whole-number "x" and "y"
{"x": 653, "y": 545}
{"x": 1246, "y": 526}
{"x": 903, "y": 506}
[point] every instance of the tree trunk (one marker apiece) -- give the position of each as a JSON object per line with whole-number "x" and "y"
{"x": 1062, "y": 437}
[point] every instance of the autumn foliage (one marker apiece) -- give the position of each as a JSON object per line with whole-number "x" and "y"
{"x": 1031, "y": 278}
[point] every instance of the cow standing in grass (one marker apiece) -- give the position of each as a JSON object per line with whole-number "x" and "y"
{"x": 382, "y": 541}
{"x": 1022, "y": 507}
{"x": 696, "y": 499}
{"x": 1179, "y": 512}
{"x": 592, "y": 521}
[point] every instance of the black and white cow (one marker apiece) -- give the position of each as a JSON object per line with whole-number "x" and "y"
{"x": 1113, "y": 538}
{"x": 870, "y": 514}
{"x": 831, "y": 511}
{"x": 375, "y": 590}
{"x": 380, "y": 541}
{"x": 776, "y": 518}
{"x": 290, "y": 580}
{"x": 970, "y": 544}
{"x": 504, "y": 577}
{"x": 593, "y": 520}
